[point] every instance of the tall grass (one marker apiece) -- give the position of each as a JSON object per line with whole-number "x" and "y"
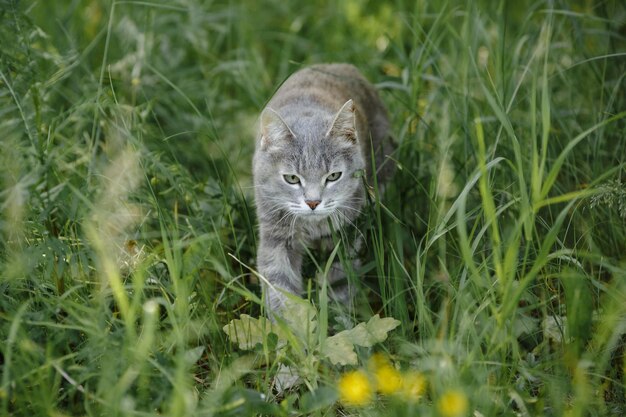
{"x": 128, "y": 229}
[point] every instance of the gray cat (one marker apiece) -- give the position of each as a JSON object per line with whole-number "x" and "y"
{"x": 317, "y": 137}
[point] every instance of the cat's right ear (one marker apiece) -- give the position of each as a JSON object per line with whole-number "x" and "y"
{"x": 344, "y": 124}
{"x": 273, "y": 128}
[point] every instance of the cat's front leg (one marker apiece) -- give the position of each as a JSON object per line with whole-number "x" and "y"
{"x": 279, "y": 262}
{"x": 340, "y": 289}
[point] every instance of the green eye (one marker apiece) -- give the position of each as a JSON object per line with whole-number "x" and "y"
{"x": 333, "y": 176}
{"x": 291, "y": 179}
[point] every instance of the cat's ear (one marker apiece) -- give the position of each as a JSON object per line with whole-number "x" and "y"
{"x": 273, "y": 128}
{"x": 344, "y": 124}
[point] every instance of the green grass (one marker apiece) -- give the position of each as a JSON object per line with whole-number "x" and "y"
{"x": 127, "y": 222}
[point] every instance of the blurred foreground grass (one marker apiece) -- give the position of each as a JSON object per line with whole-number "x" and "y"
{"x": 128, "y": 226}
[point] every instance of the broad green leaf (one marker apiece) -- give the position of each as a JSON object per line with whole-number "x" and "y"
{"x": 339, "y": 349}
{"x": 247, "y": 331}
{"x": 358, "y": 335}
{"x": 193, "y": 355}
{"x": 322, "y": 397}
{"x": 524, "y": 324}
{"x": 378, "y": 328}
{"x": 286, "y": 378}
{"x": 301, "y": 317}
{"x": 555, "y": 328}
{"x": 239, "y": 401}
{"x": 298, "y": 318}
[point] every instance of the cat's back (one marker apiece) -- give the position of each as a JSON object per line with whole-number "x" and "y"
{"x": 330, "y": 84}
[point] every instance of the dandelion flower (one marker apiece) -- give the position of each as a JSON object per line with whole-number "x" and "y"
{"x": 453, "y": 403}
{"x": 413, "y": 385}
{"x": 388, "y": 379}
{"x": 378, "y": 360}
{"x": 355, "y": 388}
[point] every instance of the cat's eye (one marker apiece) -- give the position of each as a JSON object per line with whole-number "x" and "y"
{"x": 291, "y": 179}
{"x": 334, "y": 176}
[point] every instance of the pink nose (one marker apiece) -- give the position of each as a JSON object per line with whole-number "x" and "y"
{"x": 312, "y": 203}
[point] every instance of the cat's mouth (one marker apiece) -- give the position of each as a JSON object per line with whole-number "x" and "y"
{"x": 318, "y": 211}
{"x": 315, "y": 214}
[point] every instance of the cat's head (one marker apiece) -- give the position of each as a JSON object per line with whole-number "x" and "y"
{"x": 309, "y": 164}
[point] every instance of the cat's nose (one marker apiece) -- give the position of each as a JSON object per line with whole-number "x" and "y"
{"x": 313, "y": 203}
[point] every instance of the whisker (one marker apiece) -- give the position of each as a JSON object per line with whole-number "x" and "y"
{"x": 284, "y": 217}
{"x": 351, "y": 223}
{"x": 350, "y": 208}
{"x": 292, "y": 225}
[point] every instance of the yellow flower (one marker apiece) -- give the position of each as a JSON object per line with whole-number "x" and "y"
{"x": 355, "y": 388}
{"x": 453, "y": 403}
{"x": 413, "y": 385}
{"x": 378, "y": 360}
{"x": 388, "y": 379}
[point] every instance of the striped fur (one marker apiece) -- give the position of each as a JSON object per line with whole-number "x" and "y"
{"x": 324, "y": 119}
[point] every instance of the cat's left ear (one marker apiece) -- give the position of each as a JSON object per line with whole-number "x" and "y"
{"x": 344, "y": 124}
